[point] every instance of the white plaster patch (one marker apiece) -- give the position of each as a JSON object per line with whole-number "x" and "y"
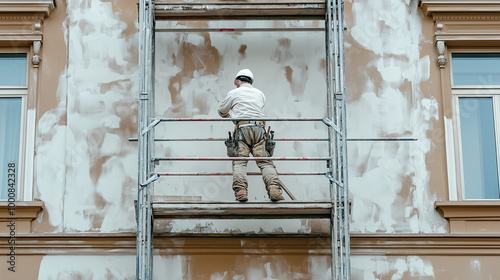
{"x": 111, "y": 144}
{"x": 50, "y": 171}
{"x": 173, "y": 266}
{"x": 95, "y": 161}
{"x": 239, "y": 226}
{"x": 97, "y": 169}
{"x": 393, "y": 107}
{"x": 394, "y": 268}
{"x": 87, "y": 267}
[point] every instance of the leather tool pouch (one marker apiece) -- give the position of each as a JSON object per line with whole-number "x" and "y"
{"x": 232, "y": 146}
{"x": 270, "y": 144}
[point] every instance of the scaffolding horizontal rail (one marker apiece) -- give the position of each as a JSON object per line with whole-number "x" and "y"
{"x": 237, "y": 210}
{"x": 238, "y": 119}
{"x": 238, "y": 158}
{"x": 230, "y": 173}
{"x": 229, "y": 29}
{"x": 224, "y": 139}
{"x": 281, "y": 139}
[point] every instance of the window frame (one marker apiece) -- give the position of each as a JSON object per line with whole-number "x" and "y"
{"x": 27, "y": 136}
{"x": 456, "y": 92}
{"x": 468, "y": 26}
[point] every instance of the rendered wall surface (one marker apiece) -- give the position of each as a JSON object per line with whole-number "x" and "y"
{"x": 97, "y": 110}
{"x": 86, "y": 167}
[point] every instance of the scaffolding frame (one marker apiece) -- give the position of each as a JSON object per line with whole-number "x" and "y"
{"x": 336, "y": 209}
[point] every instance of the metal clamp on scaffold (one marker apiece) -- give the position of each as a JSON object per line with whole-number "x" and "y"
{"x": 143, "y": 96}
{"x": 149, "y": 181}
{"x": 331, "y": 124}
{"x": 332, "y": 179}
{"x": 151, "y": 125}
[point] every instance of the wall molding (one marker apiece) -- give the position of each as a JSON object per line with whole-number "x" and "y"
{"x": 44, "y": 7}
{"x": 463, "y": 23}
{"x": 458, "y": 6}
{"x": 361, "y": 245}
{"x": 481, "y": 216}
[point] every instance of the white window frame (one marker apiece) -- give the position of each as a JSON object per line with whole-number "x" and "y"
{"x": 21, "y": 31}
{"x": 488, "y": 91}
{"x": 27, "y": 136}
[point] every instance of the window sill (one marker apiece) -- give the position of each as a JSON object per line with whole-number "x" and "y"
{"x": 471, "y": 216}
{"x": 22, "y": 214}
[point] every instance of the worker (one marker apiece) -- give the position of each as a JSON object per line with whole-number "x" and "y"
{"x": 247, "y": 102}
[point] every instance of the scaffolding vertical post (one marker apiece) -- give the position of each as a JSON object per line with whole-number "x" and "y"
{"x": 340, "y": 236}
{"x": 144, "y": 260}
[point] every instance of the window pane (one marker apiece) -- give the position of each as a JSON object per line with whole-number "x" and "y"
{"x": 476, "y": 69}
{"x": 13, "y": 69}
{"x": 479, "y": 152}
{"x": 10, "y": 133}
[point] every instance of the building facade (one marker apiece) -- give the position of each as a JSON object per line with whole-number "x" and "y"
{"x": 423, "y": 121}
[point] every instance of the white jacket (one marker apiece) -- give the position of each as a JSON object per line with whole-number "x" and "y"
{"x": 243, "y": 102}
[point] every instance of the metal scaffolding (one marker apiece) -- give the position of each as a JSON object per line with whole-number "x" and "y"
{"x": 336, "y": 209}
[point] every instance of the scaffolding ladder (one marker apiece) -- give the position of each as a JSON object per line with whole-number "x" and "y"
{"x": 336, "y": 210}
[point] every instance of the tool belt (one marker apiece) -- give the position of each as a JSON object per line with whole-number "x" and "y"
{"x": 232, "y": 142}
{"x": 238, "y": 123}
{"x": 262, "y": 123}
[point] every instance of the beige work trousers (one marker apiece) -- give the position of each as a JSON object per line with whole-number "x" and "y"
{"x": 251, "y": 139}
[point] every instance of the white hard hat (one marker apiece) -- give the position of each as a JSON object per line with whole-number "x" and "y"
{"x": 246, "y": 73}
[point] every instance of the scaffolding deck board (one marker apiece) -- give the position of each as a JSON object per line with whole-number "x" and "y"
{"x": 238, "y": 210}
{"x": 250, "y": 9}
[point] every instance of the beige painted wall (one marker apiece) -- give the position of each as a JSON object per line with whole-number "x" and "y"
{"x": 87, "y": 110}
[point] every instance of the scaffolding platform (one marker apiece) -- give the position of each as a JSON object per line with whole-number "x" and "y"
{"x": 239, "y": 210}
{"x": 250, "y": 9}
{"x": 336, "y": 210}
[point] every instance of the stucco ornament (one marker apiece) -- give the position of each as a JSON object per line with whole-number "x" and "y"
{"x": 441, "y": 58}
{"x": 36, "y": 53}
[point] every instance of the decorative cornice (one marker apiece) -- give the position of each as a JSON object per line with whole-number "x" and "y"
{"x": 28, "y": 6}
{"x": 21, "y": 24}
{"x": 463, "y": 23}
{"x": 459, "y": 6}
{"x": 463, "y": 17}
{"x": 23, "y": 18}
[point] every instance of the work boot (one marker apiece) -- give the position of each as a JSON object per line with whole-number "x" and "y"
{"x": 241, "y": 195}
{"x": 275, "y": 195}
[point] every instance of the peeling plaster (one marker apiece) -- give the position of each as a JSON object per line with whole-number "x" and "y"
{"x": 88, "y": 267}
{"x": 194, "y": 72}
{"x": 92, "y": 178}
{"x": 391, "y": 107}
{"x": 378, "y": 268}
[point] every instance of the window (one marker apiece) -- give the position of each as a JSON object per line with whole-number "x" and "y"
{"x": 467, "y": 39}
{"x": 13, "y": 93}
{"x": 476, "y": 103}
{"x": 21, "y": 39}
